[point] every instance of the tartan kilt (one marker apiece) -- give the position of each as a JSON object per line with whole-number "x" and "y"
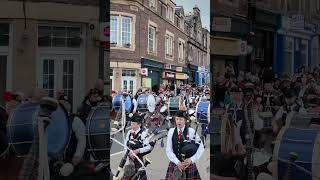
{"x": 191, "y": 172}
{"x": 137, "y": 165}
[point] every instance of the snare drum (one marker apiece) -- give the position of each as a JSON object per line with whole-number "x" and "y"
{"x": 98, "y": 138}
{"x": 3, "y": 134}
{"x": 203, "y": 112}
{"x": 174, "y": 105}
{"x": 20, "y": 129}
{"x": 146, "y": 103}
{"x": 306, "y": 144}
{"x": 116, "y": 102}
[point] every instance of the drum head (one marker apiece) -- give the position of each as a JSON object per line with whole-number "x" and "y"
{"x": 59, "y": 131}
{"x": 151, "y": 103}
{"x": 20, "y": 129}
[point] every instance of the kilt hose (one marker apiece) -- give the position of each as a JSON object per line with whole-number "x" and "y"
{"x": 137, "y": 165}
{"x": 191, "y": 173}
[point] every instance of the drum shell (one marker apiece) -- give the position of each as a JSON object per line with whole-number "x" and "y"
{"x": 20, "y": 129}
{"x": 203, "y": 112}
{"x": 142, "y": 103}
{"x": 116, "y": 102}
{"x": 304, "y": 142}
{"x": 98, "y": 133}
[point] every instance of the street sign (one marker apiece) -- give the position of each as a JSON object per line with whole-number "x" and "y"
{"x": 104, "y": 34}
{"x": 243, "y": 47}
{"x": 144, "y": 71}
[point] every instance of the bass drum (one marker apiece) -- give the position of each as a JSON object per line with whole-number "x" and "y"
{"x": 116, "y": 102}
{"x": 146, "y": 103}
{"x": 97, "y": 133}
{"x": 306, "y": 144}
{"x": 20, "y": 129}
{"x": 203, "y": 112}
{"x": 4, "y": 146}
{"x": 174, "y": 105}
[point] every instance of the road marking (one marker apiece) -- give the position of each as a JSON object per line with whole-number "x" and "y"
{"x": 117, "y": 153}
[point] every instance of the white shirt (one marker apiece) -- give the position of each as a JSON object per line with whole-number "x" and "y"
{"x": 79, "y": 130}
{"x": 169, "y": 151}
{"x": 135, "y": 105}
{"x": 145, "y": 141}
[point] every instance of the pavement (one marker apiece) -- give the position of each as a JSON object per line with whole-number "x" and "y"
{"x": 158, "y": 168}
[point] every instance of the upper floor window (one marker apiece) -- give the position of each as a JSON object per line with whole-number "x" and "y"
{"x": 121, "y": 31}
{"x": 181, "y": 51}
{"x": 169, "y": 46}
{"x": 59, "y": 36}
{"x": 152, "y": 3}
{"x": 4, "y": 34}
{"x": 152, "y": 39}
{"x": 170, "y": 13}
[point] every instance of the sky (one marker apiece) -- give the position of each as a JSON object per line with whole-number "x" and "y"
{"x": 204, "y": 6}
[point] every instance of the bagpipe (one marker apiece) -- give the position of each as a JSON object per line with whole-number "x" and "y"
{"x": 133, "y": 144}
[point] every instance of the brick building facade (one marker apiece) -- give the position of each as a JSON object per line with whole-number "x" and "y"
{"x": 157, "y": 42}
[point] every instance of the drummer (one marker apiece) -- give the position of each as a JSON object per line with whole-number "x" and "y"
{"x": 291, "y": 105}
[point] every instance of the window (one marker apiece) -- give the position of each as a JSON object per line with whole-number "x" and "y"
{"x": 113, "y": 29}
{"x": 121, "y": 31}
{"x": 181, "y": 51}
{"x": 152, "y": 39}
{"x": 48, "y": 76}
{"x": 4, "y": 34}
{"x": 128, "y": 73}
{"x": 59, "y": 36}
{"x": 170, "y": 13}
{"x": 182, "y": 24}
{"x": 288, "y": 56}
{"x": 111, "y": 72}
{"x": 304, "y": 52}
{"x": 169, "y": 46}
{"x": 198, "y": 57}
{"x": 152, "y": 3}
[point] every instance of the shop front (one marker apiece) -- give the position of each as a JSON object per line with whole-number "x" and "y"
{"x": 169, "y": 77}
{"x": 154, "y": 69}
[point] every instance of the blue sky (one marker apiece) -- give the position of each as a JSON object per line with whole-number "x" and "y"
{"x": 204, "y": 6}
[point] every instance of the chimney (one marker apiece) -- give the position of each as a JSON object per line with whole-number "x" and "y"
{"x": 196, "y": 10}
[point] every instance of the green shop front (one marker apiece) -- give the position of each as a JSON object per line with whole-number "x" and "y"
{"x": 154, "y": 72}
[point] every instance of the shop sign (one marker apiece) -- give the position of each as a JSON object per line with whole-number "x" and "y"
{"x": 144, "y": 71}
{"x": 169, "y": 75}
{"x": 167, "y": 66}
{"x": 179, "y": 69}
{"x": 181, "y": 76}
{"x": 243, "y": 47}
